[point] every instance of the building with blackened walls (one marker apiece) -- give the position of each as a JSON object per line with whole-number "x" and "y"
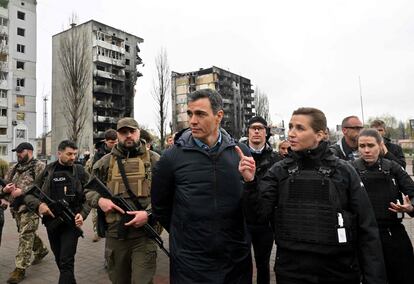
{"x": 236, "y": 91}
{"x": 114, "y": 58}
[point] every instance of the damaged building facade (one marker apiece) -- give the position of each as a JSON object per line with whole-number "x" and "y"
{"x": 114, "y": 57}
{"x": 237, "y": 93}
{"x": 17, "y": 75}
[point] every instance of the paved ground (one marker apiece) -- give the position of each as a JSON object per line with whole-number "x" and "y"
{"x": 89, "y": 259}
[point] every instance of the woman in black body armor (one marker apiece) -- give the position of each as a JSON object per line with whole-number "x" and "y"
{"x": 325, "y": 228}
{"x": 385, "y": 182}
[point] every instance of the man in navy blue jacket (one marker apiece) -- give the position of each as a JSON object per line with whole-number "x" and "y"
{"x": 197, "y": 197}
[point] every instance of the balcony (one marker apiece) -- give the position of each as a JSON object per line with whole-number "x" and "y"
{"x": 3, "y": 120}
{"x": 3, "y": 102}
{"x": 108, "y": 45}
{"x": 108, "y": 60}
{"x": 102, "y": 89}
{"x": 108, "y": 75}
{"x": 4, "y": 67}
{"x": 3, "y": 84}
{"x": 103, "y": 119}
{"x": 103, "y": 104}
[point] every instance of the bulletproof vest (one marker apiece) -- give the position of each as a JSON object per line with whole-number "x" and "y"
{"x": 30, "y": 177}
{"x": 63, "y": 186}
{"x": 382, "y": 189}
{"x": 138, "y": 172}
{"x": 309, "y": 209}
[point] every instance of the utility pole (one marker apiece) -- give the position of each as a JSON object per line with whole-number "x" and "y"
{"x": 45, "y": 124}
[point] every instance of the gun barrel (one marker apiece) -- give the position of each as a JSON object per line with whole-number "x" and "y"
{"x": 96, "y": 185}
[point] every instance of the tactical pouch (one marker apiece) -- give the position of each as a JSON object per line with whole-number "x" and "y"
{"x": 101, "y": 225}
{"x": 122, "y": 229}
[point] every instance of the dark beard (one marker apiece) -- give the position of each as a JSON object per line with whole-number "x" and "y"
{"x": 24, "y": 160}
{"x": 135, "y": 145}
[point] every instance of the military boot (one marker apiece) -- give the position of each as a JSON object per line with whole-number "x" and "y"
{"x": 16, "y": 276}
{"x": 38, "y": 258}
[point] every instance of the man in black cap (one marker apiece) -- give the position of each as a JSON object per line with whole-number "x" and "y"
{"x": 260, "y": 231}
{"x": 130, "y": 254}
{"x": 62, "y": 181}
{"x": 20, "y": 177}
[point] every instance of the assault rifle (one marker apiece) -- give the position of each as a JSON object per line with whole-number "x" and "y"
{"x": 60, "y": 208}
{"x": 96, "y": 185}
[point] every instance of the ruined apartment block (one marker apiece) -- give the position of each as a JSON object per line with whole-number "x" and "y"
{"x": 17, "y": 75}
{"x": 115, "y": 56}
{"x": 235, "y": 90}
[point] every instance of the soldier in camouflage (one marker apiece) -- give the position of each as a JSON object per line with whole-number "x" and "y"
{"x": 130, "y": 253}
{"x": 18, "y": 179}
{"x": 4, "y": 167}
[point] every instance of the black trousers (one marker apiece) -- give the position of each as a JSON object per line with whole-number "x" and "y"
{"x": 262, "y": 241}
{"x": 63, "y": 242}
{"x": 398, "y": 254}
{"x": 300, "y": 267}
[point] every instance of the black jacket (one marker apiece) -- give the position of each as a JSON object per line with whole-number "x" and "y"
{"x": 353, "y": 198}
{"x": 404, "y": 182}
{"x": 264, "y": 161}
{"x": 101, "y": 150}
{"x": 197, "y": 197}
{"x": 394, "y": 153}
{"x": 343, "y": 151}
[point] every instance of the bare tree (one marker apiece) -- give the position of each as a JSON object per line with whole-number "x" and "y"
{"x": 261, "y": 104}
{"x": 75, "y": 62}
{"x": 161, "y": 87}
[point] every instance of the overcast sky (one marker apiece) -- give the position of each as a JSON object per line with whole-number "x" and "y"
{"x": 301, "y": 53}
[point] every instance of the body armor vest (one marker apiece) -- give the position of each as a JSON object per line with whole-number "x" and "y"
{"x": 63, "y": 186}
{"x": 382, "y": 189}
{"x": 309, "y": 209}
{"x": 138, "y": 172}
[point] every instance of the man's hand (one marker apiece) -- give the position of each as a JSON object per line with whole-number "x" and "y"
{"x": 9, "y": 188}
{"x": 45, "y": 210}
{"x": 406, "y": 207}
{"x": 107, "y": 205}
{"x": 16, "y": 192}
{"x": 4, "y": 204}
{"x": 247, "y": 166}
{"x": 78, "y": 220}
{"x": 140, "y": 219}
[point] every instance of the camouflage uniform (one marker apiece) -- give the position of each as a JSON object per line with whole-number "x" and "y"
{"x": 23, "y": 175}
{"x": 4, "y": 167}
{"x": 132, "y": 259}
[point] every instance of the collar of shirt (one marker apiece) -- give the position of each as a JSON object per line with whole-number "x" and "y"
{"x": 256, "y": 151}
{"x": 205, "y": 147}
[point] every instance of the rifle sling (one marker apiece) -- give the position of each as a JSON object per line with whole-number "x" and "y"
{"x": 133, "y": 197}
